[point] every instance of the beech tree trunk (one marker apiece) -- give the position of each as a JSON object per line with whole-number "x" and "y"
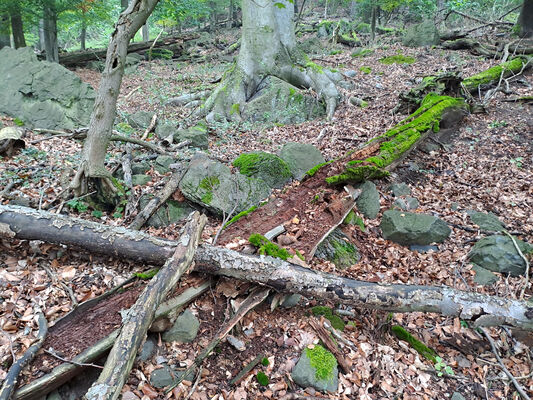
{"x": 104, "y": 111}
{"x": 17, "y": 29}
{"x": 268, "y": 47}
{"x": 50, "y": 31}
{"x": 525, "y": 20}
{"x": 482, "y": 310}
{"x": 4, "y": 31}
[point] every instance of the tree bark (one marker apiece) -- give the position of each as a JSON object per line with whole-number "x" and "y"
{"x": 145, "y": 32}
{"x": 83, "y": 33}
{"x": 17, "y": 27}
{"x": 4, "y": 30}
{"x": 103, "y": 115}
{"x": 482, "y": 310}
{"x": 268, "y": 48}
{"x": 141, "y": 314}
{"x": 525, "y": 19}
{"x": 50, "y": 31}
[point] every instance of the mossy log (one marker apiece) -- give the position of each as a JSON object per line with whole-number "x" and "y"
{"x": 482, "y": 310}
{"x": 394, "y": 144}
{"x": 492, "y": 76}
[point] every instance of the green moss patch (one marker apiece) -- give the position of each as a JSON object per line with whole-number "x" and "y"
{"x": 416, "y": 344}
{"x": 397, "y": 59}
{"x": 335, "y": 320}
{"x": 315, "y": 169}
{"x": 209, "y": 183}
{"x": 266, "y": 247}
{"x": 322, "y": 361}
{"x": 365, "y": 70}
{"x": 268, "y": 167}
{"x": 493, "y": 74}
{"x": 398, "y": 140}
{"x": 262, "y": 378}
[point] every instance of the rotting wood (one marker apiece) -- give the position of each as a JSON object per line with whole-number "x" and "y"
{"x": 10, "y": 381}
{"x": 323, "y": 334}
{"x": 482, "y": 310}
{"x": 66, "y": 371}
{"x": 256, "y": 297}
{"x": 246, "y": 370}
{"x": 159, "y": 199}
{"x": 140, "y": 316}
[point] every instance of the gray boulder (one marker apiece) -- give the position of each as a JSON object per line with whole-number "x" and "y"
{"x": 368, "y": 200}
{"x": 406, "y": 203}
{"x": 410, "y": 228}
{"x": 266, "y": 166}
{"x": 281, "y": 102}
{"x": 400, "y": 189}
{"x": 338, "y": 249}
{"x": 184, "y": 329}
{"x": 323, "y": 376}
{"x": 300, "y": 157}
{"x": 140, "y": 180}
{"x": 169, "y": 213}
{"x": 422, "y": 34}
{"x": 140, "y": 119}
{"x": 42, "y": 94}
{"x": 488, "y": 222}
{"x": 211, "y": 184}
{"x": 497, "y": 253}
{"x": 166, "y": 376}
{"x": 484, "y": 276}
{"x": 170, "y": 133}
{"x": 162, "y": 164}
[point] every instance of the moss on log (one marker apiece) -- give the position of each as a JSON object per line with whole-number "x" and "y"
{"x": 492, "y": 75}
{"x": 396, "y": 142}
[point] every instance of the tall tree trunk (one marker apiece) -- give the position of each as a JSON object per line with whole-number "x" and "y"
{"x": 104, "y": 111}
{"x": 4, "y": 31}
{"x": 145, "y": 32}
{"x": 230, "y": 15}
{"x": 83, "y": 33}
{"x": 50, "y": 31}
{"x": 123, "y": 4}
{"x": 373, "y": 23}
{"x": 41, "y": 34}
{"x": 525, "y": 20}
{"x": 268, "y": 48}
{"x": 17, "y": 28}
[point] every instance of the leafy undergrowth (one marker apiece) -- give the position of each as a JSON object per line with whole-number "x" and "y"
{"x": 487, "y": 169}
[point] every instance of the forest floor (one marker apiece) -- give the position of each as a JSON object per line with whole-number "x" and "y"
{"x": 488, "y": 167}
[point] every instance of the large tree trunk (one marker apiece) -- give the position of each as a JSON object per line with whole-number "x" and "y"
{"x": 268, "y": 47}
{"x": 525, "y": 20}
{"x": 482, "y": 310}
{"x": 104, "y": 111}
{"x": 50, "y": 31}
{"x": 4, "y": 31}
{"x": 17, "y": 27}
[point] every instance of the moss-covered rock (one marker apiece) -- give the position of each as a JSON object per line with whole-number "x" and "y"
{"x": 397, "y": 141}
{"x": 368, "y": 201}
{"x": 316, "y": 368}
{"x": 336, "y": 321}
{"x": 300, "y": 157}
{"x": 266, "y": 166}
{"x": 422, "y": 34}
{"x": 171, "y": 212}
{"x": 267, "y": 248}
{"x": 338, "y": 249}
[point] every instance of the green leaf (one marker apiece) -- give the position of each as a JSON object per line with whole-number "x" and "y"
{"x": 279, "y": 5}
{"x": 97, "y": 214}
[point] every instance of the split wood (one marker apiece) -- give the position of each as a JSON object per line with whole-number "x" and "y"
{"x": 323, "y": 334}
{"x": 140, "y": 316}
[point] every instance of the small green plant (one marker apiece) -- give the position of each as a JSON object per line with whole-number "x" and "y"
{"x": 517, "y": 161}
{"x": 335, "y": 52}
{"x": 97, "y": 213}
{"x": 397, "y": 59}
{"x": 365, "y": 70}
{"x": 118, "y": 212}
{"x": 148, "y": 274}
{"x": 442, "y": 368}
{"x": 18, "y": 122}
{"x": 498, "y": 124}
{"x": 265, "y": 362}
{"x": 77, "y": 205}
{"x": 262, "y": 378}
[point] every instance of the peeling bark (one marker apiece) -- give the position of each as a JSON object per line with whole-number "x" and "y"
{"x": 481, "y": 309}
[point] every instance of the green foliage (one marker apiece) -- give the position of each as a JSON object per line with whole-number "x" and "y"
{"x": 362, "y": 53}
{"x": 493, "y": 74}
{"x": 315, "y": 169}
{"x": 353, "y": 219}
{"x": 125, "y": 128}
{"x": 262, "y": 378}
{"x": 365, "y": 70}
{"x": 442, "y": 368}
{"x": 266, "y": 247}
{"x": 425, "y": 351}
{"x": 265, "y": 362}
{"x": 517, "y": 161}
{"x": 148, "y": 274}
{"x": 78, "y": 205}
{"x": 322, "y": 361}
{"x": 397, "y": 59}
{"x": 335, "y": 320}
{"x": 240, "y": 215}
{"x": 159, "y": 53}
{"x": 97, "y": 213}
{"x": 498, "y": 124}
{"x": 235, "y": 109}
{"x": 18, "y": 122}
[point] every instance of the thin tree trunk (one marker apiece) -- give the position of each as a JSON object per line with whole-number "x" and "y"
{"x": 41, "y": 35}
{"x": 145, "y": 32}
{"x": 83, "y": 33}
{"x": 17, "y": 28}
{"x": 373, "y": 24}
{"x": 525, "y": 20}
{"x": 50, "y": 31}
{"x": 4, "y": 31}
{"x": 482, "y": 310}
{"x": 104, "y": 111}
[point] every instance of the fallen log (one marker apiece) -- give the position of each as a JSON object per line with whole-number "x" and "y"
{"x": 140, "y": 316}
{"x": 492, "y": 76}
{"x": 173, "y": 43}
{"x": 481, "y": 310}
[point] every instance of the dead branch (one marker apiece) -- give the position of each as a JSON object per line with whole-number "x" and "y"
{"x": 256, "y": 297}
{"x": 141, "y": 314}
{"x": 150, "y": 127}
{"x": 246, "y": 370}
{"x": 10, "y": 382}
{"x": 159, "y": 199}
{"x": 482, "y": 310}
